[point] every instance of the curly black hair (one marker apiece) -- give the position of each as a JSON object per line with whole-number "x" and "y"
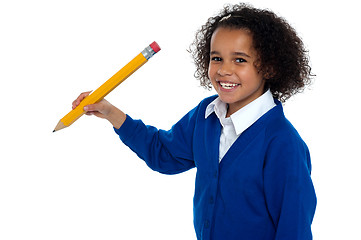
{"x": 282, "y": 57}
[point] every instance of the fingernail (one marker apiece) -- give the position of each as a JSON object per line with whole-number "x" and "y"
{"x": 86, "y": 108}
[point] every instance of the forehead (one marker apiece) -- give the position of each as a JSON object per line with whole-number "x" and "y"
{"x": 229, "y": 39}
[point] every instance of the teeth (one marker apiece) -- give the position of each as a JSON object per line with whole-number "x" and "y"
{"x": 228, "y": 85}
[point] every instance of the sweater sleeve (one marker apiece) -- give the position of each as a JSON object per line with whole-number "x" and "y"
{"x": 167, "y": 152}
{"x": 289, "y": 191}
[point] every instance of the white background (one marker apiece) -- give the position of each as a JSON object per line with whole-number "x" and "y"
{"x": 82, "y": 183}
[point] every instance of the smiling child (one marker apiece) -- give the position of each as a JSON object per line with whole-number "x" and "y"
{"x": 253, "y": 168}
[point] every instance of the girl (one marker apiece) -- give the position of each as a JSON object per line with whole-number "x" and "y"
{"x": 253, "y": 169}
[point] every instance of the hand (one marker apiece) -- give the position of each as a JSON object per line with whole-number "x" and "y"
{"x": 102, "y": 109}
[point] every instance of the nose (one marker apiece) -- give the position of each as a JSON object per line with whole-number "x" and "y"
{"x": 225, "y": 69}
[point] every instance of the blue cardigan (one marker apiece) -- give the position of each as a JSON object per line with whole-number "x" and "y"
{"x": 261, "y": 190}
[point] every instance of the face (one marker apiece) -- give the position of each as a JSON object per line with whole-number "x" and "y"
{"x": 232, "y": 70}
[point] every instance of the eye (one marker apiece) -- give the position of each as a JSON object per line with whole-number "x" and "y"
{"x": 216, "y": 59}
{"x": 240, "y": 60}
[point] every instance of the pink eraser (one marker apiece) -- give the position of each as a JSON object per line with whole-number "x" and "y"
{"x": 155, "y": 47}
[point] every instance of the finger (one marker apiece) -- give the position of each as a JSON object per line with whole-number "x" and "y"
{"x": 96, "y": 107}
{"x": 95, "y": 113}
{"x": 80, "y": 98}
{"x": 100, "y": 109}
{"x": 74, "y": 105}
{"x": 90, "y": 113}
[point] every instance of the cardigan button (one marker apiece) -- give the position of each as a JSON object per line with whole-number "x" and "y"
{"x": 211, "y": 200}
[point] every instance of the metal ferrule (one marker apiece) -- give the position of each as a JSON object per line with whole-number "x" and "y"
{"x": 148, "y": 52}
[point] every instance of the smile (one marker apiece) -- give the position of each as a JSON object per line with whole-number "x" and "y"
{"x": 228, "y": 85}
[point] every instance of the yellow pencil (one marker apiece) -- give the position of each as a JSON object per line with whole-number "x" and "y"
{"x": 109, "y": 85}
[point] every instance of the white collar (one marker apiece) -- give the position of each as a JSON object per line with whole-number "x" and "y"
{"x": 246, "y": 116}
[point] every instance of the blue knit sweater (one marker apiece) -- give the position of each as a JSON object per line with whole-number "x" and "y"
{"x": 261, "y": 190}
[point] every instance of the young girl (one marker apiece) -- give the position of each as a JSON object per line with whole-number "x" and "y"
{"x": 253, "y": 169}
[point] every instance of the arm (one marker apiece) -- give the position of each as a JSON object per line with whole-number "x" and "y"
{"x": 289, "y": 191}
{"x": 167, "y": 152}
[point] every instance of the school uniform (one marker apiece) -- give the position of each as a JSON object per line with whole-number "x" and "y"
{"x": 253, "y": 169}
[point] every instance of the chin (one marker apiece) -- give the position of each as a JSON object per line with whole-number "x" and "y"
{"x": 228, "y": 99}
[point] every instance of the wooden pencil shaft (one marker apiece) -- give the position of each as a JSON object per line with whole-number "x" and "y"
{"x": 104, "y": 89}
{"x": 109, "y": 85}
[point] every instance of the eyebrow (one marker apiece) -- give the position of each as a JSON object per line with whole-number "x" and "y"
{"x": 235, "y": 54}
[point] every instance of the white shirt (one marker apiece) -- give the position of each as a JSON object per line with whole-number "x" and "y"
{"x": 239, "y": 121}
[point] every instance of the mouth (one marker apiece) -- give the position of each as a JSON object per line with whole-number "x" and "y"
{"x": 228, "y": 85}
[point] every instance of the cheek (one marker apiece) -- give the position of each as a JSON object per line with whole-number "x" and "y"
{"x": 251, "y": 77}
{"x": 212, "y": 77}
{"x": 211, "y": 72}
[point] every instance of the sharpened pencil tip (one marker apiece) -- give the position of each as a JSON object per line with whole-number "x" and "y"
{"x": 59, "y": 126}
{"x": 53, "y": 130}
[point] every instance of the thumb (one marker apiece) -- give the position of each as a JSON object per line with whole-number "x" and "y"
{"x": 100, "y": 109}
{"x": 96, "y": 107}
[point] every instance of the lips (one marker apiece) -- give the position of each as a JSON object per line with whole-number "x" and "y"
{"x": 228, "y": 85}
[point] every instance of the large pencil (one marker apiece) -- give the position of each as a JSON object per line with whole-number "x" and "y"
{"x": 109, "y": 85}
